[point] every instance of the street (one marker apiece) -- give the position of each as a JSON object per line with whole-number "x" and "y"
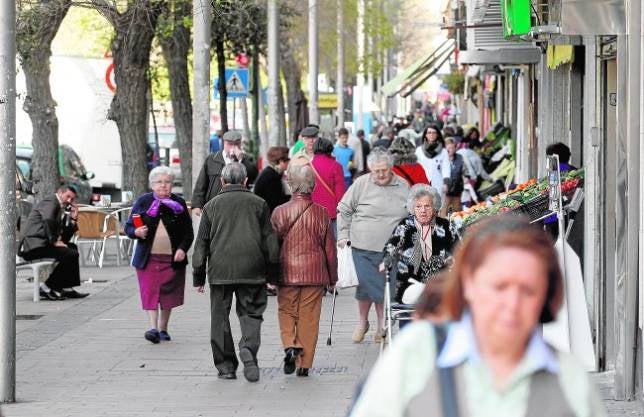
{"x": 88, "y": 358}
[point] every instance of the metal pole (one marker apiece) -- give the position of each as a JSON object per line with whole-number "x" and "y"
{"x": 256, "y": 90}
{"x": 360, "y": 74}
{"x": 8, "y": 201}
{"x": 314, "y": 116}
{"x": 234, "y": 111}
{"x": 273, "y": 74}
{"x": 201, "y": 13}
{"x": 340, "y": 77}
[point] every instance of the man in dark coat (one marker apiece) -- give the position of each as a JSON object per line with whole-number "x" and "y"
{"x": 209, "y": 181}
{"x": 237, "y": 245}
{"x": 50, "y": 226}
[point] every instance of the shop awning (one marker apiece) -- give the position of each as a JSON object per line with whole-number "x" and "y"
{"x": 407, "y": 81}
{"x": 507, "y": 56}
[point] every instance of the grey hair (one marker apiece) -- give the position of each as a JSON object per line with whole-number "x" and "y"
{"x": 423, "y": 190}
{"x": 378, "y": 155}
{"x": 234, "y": 173}
{"x": 157, "y": 172}
{"x": 301, "y": 179}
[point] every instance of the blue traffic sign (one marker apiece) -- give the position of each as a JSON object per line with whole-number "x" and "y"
{"x": 236, "y": 83}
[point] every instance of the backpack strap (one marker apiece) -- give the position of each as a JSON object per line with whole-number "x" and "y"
{"x": 446, "y": 376}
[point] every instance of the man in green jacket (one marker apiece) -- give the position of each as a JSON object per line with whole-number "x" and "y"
{"x": 208, "y": 183}
{"x": 237, "y": 244}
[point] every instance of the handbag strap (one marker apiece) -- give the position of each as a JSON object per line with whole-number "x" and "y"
{"x": 296, "y": 220}
{"x": 319, "y": 177}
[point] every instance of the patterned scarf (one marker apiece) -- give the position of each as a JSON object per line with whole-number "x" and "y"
{"x": 422, "y": 247}
{"x": 153, "y": 211}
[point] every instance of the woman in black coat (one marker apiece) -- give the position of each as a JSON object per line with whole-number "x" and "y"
{"x": 421, "y": 244}
{"x": 269, "y": 184}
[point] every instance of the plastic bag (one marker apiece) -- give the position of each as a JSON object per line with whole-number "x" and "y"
{"x": 347, "y": 276}
{"x": 413, "y": 292}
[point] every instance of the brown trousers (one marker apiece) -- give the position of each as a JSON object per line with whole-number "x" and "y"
{"x": 299, "y": 317}
{"x": 453, "y": 202}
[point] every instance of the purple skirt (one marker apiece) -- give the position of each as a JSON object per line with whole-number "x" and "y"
{"x": 160, "y": 285}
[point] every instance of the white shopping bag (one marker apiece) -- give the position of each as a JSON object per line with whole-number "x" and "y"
{"x": 347, "y": 276}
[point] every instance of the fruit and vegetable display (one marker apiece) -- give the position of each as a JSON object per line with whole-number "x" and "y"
{"x": 530, "y": 197}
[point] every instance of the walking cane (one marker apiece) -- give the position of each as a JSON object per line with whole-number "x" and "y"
{"x": 328, "y": 340}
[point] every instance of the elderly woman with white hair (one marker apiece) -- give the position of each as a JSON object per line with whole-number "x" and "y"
{"x": 421, "y": 244}
{"x": 308, "y": 263}
{"x": 367, "y": 214}
{"x": 162, "y": 227}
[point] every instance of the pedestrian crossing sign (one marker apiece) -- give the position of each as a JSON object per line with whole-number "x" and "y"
{"x": 236, "y": 83}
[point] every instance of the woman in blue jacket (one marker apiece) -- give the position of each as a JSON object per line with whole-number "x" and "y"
{"x": 161, "y": 224}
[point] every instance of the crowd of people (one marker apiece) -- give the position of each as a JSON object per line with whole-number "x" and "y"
{"x": 388, "y": 199}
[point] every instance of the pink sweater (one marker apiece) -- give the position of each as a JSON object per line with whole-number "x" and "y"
{"x": 331, "y": 172}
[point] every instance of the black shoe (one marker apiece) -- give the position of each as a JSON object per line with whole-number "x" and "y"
{"x": 227, "y": 375}
{"x": 74, "y": 294}
{"x": 251, "y": 370}
{"x": 290, "y": 356}
{"x": 152, "y": 335}
{"x": 302, "y": 372}
{"x": 50, "y": 295}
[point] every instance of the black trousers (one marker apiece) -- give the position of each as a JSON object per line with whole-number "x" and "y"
{"x": 66, "y": 274}
{"x": 250, "y": 305}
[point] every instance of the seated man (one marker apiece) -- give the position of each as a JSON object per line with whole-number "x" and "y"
{"x": 50, "y": 225}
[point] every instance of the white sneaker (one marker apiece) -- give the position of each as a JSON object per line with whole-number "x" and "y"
{"x": 359, "y": 332}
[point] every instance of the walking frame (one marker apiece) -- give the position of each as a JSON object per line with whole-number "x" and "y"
{"x": 393, "y": 312}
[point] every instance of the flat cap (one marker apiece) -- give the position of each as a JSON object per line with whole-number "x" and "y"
{"x": 309, "y": 131}
{"x": 232, "y": 136}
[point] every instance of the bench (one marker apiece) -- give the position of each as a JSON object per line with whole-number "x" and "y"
{"x": 39, "y": 267}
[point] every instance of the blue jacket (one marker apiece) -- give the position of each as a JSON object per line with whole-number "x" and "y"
{"x": 179, "y": 227}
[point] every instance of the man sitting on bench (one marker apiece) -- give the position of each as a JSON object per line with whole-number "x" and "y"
{"x": 50, "y": 226}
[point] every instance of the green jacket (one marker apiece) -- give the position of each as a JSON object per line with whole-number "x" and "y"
{"x": 235, "y": 240}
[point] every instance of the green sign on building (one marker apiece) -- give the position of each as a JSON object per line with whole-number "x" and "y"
{"x": 516, "y": 17}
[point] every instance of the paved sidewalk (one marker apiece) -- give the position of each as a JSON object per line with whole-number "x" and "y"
{"x": 88, "y": 358}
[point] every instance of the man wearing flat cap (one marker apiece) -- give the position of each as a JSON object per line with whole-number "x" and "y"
{"x": 302, "y": 157}
{"x": 208, "y": 184}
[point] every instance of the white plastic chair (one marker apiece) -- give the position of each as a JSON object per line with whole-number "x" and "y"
{"x": 113, "y": 229}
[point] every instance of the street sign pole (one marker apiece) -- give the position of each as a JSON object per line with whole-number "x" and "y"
{"x": 8, "y": 201}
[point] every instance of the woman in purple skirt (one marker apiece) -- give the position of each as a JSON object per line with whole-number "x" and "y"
{"x": 162, "y": 226}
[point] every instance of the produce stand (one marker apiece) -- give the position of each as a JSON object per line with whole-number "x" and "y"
{"x": 530, "y": 198}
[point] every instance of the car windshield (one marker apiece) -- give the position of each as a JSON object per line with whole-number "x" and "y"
{"x": 73, "y": 166}
{"x": 24, "y": 167}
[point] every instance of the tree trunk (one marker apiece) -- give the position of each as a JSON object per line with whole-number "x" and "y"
{"x": 36, "y": 29}
{"x": 223, "y": 95}
{"x": 134, "y": 31}
{"x": 292, "y": 76}
{"x": 175, "y": 50}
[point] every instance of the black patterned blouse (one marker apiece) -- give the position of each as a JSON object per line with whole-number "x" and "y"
{"x": 405, "y": 251}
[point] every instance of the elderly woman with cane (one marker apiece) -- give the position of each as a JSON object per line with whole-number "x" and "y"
{"x": 367, "y": 214}
{"x": 421, "y": 244}
{"x": 492, "y": 359}
{"x": 308, "y": 264}
{"x": 163, "y": 229}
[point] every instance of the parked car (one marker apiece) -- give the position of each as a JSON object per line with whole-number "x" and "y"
{"x": 24, "y": 198}
{"x": 167, "y": 153}
{"x": 71, "y": 168}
